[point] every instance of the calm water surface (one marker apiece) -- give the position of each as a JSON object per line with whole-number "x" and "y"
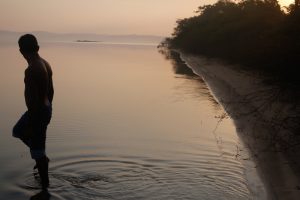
{"x": 127, "y": 124}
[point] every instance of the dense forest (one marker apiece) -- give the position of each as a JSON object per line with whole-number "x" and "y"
{"x": 257, "y": 34}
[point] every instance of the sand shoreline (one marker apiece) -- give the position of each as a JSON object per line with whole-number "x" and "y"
{"x": 246, "y": 98}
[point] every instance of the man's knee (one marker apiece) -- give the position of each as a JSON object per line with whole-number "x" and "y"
{"x": 16, "y": 132}
{"x": 20, "y": 126}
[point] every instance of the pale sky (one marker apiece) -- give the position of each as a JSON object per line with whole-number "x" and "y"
{"x": 150, "y": 17}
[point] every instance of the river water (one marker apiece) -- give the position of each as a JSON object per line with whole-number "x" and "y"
{"x": 127, "y": 124}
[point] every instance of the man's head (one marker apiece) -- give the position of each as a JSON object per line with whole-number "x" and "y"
{"x": 28, "y": 44}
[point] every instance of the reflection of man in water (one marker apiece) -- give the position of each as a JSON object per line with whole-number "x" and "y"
{"x": 31, "y": 127}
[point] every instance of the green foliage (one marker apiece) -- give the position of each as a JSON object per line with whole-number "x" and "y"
{"x": 254, "y": 33}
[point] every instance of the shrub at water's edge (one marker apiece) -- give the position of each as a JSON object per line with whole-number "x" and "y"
{"x": 258, "y": 34}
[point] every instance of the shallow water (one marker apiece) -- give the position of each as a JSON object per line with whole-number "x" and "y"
{"x": 127, "y": 124}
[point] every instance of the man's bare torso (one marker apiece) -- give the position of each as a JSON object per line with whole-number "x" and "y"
{"x": 38, "y": 84}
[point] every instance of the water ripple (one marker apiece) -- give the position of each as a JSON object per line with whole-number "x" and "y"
{"x": 148, "y": 178}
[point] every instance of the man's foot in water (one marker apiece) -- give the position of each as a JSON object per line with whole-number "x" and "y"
{"x": 42, "y": 166}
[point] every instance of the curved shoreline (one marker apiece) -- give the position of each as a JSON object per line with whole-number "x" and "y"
{"x": 240, "y": 93}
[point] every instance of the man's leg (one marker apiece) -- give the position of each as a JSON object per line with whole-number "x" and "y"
{"x": 42, "y": 166}
{"x": 38, "y": 147}
{"x": 22, "y": 131}
{"x": 38, "y": 153}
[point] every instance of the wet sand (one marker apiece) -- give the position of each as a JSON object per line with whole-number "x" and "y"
{"x": 253, "y": 107}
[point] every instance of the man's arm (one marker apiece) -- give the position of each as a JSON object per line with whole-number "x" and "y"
{"x": 31, "y": 92}
{"x": 51, "y": 89}
{"x": 50, "y": 82}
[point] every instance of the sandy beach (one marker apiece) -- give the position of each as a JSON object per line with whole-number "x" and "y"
{"x": 254, "y": 108}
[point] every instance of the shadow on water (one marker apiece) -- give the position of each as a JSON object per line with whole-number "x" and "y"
{"x": 43, "y": 195}
{"x": 197, "y": 86}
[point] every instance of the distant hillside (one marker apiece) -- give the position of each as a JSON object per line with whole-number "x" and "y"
{"x": 10, "y": 36}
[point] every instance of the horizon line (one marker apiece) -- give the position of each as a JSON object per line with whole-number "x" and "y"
{"x": 78, "y": 33}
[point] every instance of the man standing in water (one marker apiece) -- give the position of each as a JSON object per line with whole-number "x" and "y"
{"x": 31, "y": 127}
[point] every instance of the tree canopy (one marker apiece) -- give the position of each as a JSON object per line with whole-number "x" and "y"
{"x": 254, "y": 33}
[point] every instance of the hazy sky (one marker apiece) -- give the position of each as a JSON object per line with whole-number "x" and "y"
{"x": 152, "y": 17}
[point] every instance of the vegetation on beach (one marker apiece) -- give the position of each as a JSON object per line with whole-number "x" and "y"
{"x": 258, "y": 34}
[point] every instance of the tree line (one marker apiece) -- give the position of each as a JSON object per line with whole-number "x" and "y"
{"x": 258, "y": 34}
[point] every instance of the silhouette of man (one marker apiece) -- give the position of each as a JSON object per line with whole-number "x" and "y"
{"x": 31, "y": 127}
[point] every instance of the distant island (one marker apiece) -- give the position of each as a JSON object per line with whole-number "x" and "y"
{"x": 12, "y": 36}
{"x": 87, "y": 41}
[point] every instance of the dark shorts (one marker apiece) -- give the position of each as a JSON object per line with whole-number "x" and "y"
{"x": 32, "y": 131}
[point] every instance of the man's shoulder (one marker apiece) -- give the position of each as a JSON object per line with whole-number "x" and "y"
{"x": 33, "y": 70}
{"x": 36, "y": 67}
{"x": 29, "y": 70}
{"x": 45, "y": 61}
{"x": 30, "y": 74}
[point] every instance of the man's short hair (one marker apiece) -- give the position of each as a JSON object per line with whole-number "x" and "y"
{"x": 28, "y": 43}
